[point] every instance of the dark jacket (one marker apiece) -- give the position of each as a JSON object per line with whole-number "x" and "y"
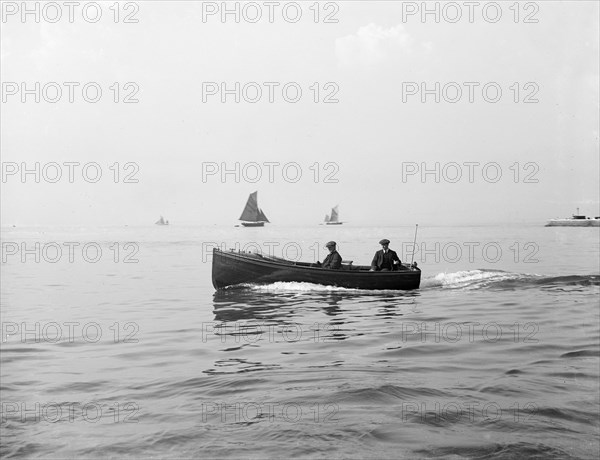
{"x": 382, "y": 260}
{"x": 333, "y": 260}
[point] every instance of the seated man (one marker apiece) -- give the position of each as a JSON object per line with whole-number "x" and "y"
{"x": 385, "y": 259}
{"x": 333, "y": 259}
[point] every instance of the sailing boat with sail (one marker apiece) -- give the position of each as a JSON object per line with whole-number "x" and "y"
{"x": 162, "y": 221}
{"x": 334, "y": 219}
{"x": 252, "y": 215}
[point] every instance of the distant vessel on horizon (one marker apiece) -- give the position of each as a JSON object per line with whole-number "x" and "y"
{"x": 578, "y": 220}
{"x": 252, "y": 215}
{"x": 161, "y": 221}
{"x": 334, "y": 219}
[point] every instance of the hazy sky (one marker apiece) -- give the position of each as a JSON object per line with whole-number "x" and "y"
{"x": 370, "y": 145}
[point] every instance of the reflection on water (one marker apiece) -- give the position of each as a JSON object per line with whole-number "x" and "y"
{"x": 255, "y": 324}
{"x": 255, "y": 303}
{"x": 237, "y": 365}
{"x": 253, "y": 315}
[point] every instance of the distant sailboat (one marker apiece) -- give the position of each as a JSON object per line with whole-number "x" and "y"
{"x": 334, "y": 219}
{"x": 252, "y": 215}
{"x": 162, "y": 221}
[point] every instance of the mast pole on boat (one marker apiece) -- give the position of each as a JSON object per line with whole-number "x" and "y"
{"x": 414, "y": 245}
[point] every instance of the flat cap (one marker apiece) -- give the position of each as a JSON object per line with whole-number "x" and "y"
{"x": 384, "y": 241}
{"x": 331, "y": 243}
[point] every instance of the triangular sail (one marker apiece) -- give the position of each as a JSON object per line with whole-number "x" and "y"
{"x": 334, "y": 215}
{"x": 160, "y": 221}
{"x": 252, "y": 213}
{"x": 261, "y": 216}
{"x": 326, "y": 217}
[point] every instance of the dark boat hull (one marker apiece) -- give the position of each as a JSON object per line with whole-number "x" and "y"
{"x": 253, "y": 224}
{"x": 233, "y": 268}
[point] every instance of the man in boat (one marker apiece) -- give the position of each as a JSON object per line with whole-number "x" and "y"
{"x": 333, "y": 259}
{"x": 385, "y": 259}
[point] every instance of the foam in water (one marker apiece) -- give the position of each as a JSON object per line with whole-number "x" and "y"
{"x": 296, "y": 286}
{"x": 469, "y": 278}
{"x": 310, "y": 287}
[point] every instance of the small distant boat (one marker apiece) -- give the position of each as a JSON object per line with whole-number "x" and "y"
{"x": 334, "y": 219}
{"x": 577, "y": 220}
{"x": 234, "y": 268}
{"x": 162, "y": 221}
{"x": 252, "y": 215}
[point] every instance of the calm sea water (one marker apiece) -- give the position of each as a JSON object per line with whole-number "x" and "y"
{"x": 120, "y": 347}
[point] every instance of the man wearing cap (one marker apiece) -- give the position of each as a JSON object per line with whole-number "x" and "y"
{"x": 385, "y": 259}
{"x": 333, "y": 259}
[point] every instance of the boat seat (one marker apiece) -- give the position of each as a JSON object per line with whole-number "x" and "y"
{"x": 350, "y": 267}
{"x": 347, "y": 265}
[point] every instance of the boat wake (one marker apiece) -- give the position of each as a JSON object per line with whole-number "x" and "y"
{"x": 498, "y": 279}
{"x": 303, "y": 287}
{"x": 465, "y": 280}
{"x": 283, "y": 287}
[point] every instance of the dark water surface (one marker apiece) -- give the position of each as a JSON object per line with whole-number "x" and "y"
{"x": 496, "y": 356}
